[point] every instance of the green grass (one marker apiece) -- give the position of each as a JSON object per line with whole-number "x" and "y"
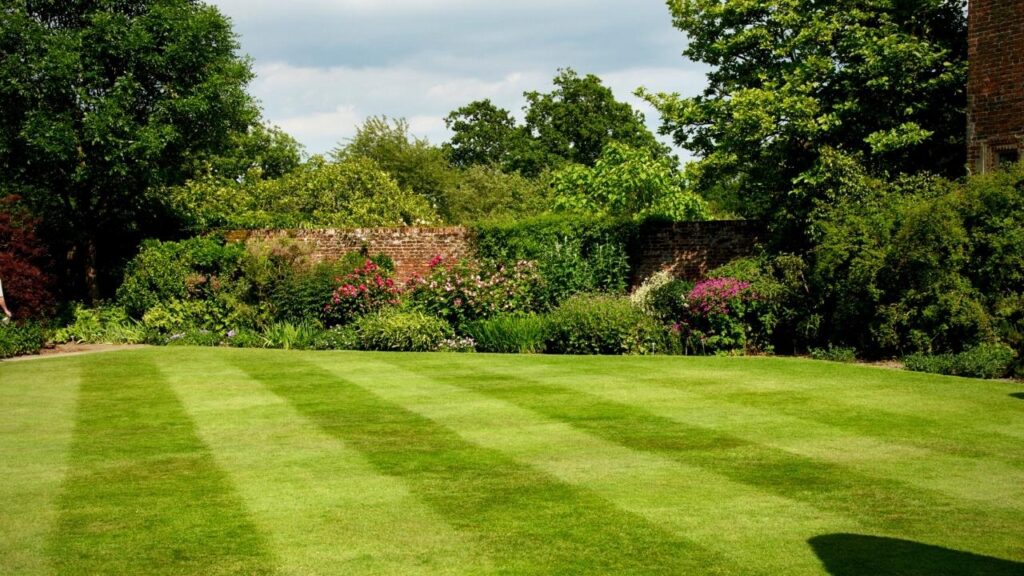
{"x": 217, "y": 461}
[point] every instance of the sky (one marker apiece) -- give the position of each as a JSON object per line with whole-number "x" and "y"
{"x": 323, "y": 66}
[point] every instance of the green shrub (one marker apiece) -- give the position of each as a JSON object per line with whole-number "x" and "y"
{"x": 662, "y": 297}
{"x": 834, "y": 354}
{"x": 603, "y": 324}
{"x": 983, "y": 361}
{"x": 300, "y": 336}
{"x": 338, "y": 338}
{"x": 398, "y": 330}
{"x": 20, "y": 340}
{"x": 165, "y": 271}
{"x": 245, "y": 338}
{"x": 105, "y": 325}
{"x": 510, "y": 334}
{"x": 195, "y": 337}
{"x": 573, "y": 254}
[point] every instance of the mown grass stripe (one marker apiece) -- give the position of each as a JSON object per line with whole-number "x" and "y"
{"x": 323, "y": 507}
{"x": 143, "y": 495}
{"x": 737, "y": 521}
{"x": 529, "y": 522}
{"x": 37, "y": 403}
{"x": 886, "y": 505}
{"x": 818, "y": 433}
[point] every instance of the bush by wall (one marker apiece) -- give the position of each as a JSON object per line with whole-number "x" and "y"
{"x": 510, "y": 334}
{"x": 395, "y": 330}
{"x": 603, "y": 324}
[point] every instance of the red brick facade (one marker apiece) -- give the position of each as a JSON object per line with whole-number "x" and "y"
{"x": 996, "y": 83}
{"x": 687, "y": 249}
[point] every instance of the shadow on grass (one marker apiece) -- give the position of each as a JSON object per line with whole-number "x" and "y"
{"x": 1018, "y": 395}
{"x": 859, "y": 555}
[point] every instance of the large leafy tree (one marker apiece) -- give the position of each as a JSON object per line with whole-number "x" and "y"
{"x": 414, "y": 163}
{"x": 102, "y": 102}
{"x": 571, "y": 124}
{"x": 881, "y": 82}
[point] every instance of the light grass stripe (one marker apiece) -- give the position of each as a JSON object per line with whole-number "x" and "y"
{"x": 324, "y": 509}
{"x": 760, "y": 532}
{"x": 530, "y": 522}
{"x": 142, "y": 494}
{"x": 37, "y": 418}
{"x": 816, "y": 431}
{"x": 796, "y": 458}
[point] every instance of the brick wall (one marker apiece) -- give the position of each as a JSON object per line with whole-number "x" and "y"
{"x": 995, "y": 100}
{"x": 690, "y": 249}
{"x": 410, "y": 248}
{"x": 687, "y": 249}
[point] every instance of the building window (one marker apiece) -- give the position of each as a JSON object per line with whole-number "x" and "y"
{"x": 1007, "y": 157}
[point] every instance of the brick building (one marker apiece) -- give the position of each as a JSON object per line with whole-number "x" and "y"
{"x": 995, "y": 90}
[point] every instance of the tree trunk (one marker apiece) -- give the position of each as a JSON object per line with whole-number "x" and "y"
{"x": 92, "y": 284}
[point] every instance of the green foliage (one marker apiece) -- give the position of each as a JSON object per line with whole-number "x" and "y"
{"x": 20, "y": 339}
{"x": 105, "y": 325}
{"x": 165, "y": 271}
{"x": 573, "y": 254}
{"x": 485, "y": 193}
{"x": 603, "y": 324}
{"x": 485, "y": 135}
{"x": 413, "y": 163}
{"x": 259, "y": 152}
{"x": 662, "y": 297}
{"x": 834, "y": 354}
{"x": 626, "y": 182}
{"x": 510, "y": 334}
{"x": 402, "y": 331}
{"x": 194, "y": 337}
{"x": 338, "y": 338}
{"x": 880, "y": 82}
{"x": 465, "y": 291}
{"x": 983, "y": 361}
{"x": 571, "y": 124}
{"x": 103, "y": 103}
{"x": 304, "y": 335}
{"x": 354, "y": 192}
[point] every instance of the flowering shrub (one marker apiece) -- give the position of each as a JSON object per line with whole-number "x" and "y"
{"x": 368, "y": 288}
{"x": 714, "y": 318}
{"x": 464, "y": 291}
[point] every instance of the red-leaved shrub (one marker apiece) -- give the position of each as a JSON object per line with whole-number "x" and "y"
{"x": 24, "y": 260}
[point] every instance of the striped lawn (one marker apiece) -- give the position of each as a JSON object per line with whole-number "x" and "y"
{"x": 217, "y": 461}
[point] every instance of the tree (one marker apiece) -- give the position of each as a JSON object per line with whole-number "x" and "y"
{"x": 103, "y": 103}
{"x": 413, "y": 162}
{"x": 484, "y": 192}
{"x": 571, "y": 124}
{"x": 581, "y": 116}
{"x": 354, "y": 192}
{"x": 879, "y": 81}
{"x": 264, "y": 151}
{"x": 626, "y": 182}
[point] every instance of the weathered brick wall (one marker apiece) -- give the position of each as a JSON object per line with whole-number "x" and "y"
{"x": 995, "y": 100}
{"x": 689, "y": 250}
{"x": 410, "y": 248}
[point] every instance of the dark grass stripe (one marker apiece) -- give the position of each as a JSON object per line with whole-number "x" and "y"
{"x": 528, "y": 521}
{"x": 143, "y": 494}
{"x": 884, "y": 504}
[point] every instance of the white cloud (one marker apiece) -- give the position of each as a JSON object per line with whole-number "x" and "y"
{"x": 323, "y": 66}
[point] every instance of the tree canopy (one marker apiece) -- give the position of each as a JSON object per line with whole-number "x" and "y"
{"x": 880, "y": 81}
{"x": 571, "y": 124}
{"x": 102, "y": 103}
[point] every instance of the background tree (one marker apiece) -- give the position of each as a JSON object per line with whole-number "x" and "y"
{"x": 414, "y": 163}
{"x": 571, "y": 124}
{"x": 880, "y": 81}
{"x": 101, "y": 103}
{"x": 264, "y": 151}
{"x": 626, "y": 182}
